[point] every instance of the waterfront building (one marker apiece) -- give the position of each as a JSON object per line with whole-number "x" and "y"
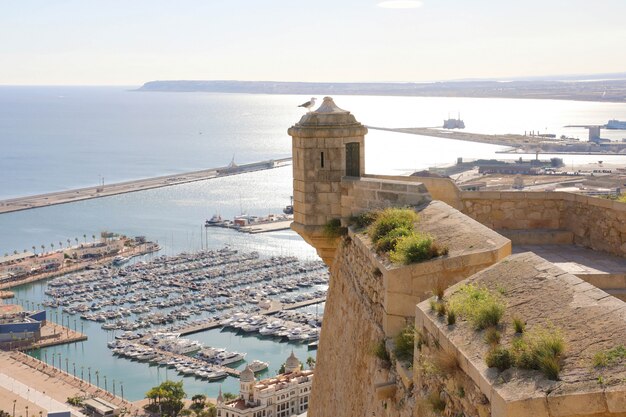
{"x": 96, "y": 249}
{"x": 20, "y": 327}
{"x": 284, "y": 395}
{"x": 100, "y": 407}
{"x": 21, "y": 264}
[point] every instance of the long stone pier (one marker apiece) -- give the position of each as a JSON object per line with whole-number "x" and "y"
{"x": 79, "y": 194}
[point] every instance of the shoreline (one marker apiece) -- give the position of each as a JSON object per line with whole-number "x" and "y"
{"x": 139, "y": 250}
{"x": 516, "y": 144}
{"x": 98, "y": 191}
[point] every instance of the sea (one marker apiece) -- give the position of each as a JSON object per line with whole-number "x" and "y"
{"x": 59, "y": 138}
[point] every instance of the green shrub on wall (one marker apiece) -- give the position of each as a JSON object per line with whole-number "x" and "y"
{"x": 393, "y": 231}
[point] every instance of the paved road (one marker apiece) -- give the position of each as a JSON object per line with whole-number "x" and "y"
{"x": 32, "y": 395}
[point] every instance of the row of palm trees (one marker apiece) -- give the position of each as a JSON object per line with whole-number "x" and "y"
{"x": 43, "y": 247}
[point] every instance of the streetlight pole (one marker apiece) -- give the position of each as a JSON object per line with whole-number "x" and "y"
{"x": 105, "y": 383}
{"x": 74, "y": 369}
{"x": 89, "y": 370}
{"x": 98, "y": 379}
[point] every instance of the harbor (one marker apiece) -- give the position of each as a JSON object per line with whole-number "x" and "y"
{"x": 189, "y": 295}
{"x": 102, "y": 190}
{"x": 253, "y": 224}
{"x": 30, "y": 267}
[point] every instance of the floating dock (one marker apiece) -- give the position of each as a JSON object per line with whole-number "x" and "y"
{"x": 213, "y": 324}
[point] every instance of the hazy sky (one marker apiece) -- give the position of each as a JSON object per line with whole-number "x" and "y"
{"x": 128, "y": 42}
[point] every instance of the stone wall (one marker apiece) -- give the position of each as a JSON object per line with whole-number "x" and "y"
{"x": 544, "y": 297}
{"x": 347, "y": 371}
{"x": 471, "y": 248}
{"x": 442, "y": 189}
{"x": 440, "y": 383}
{"x": 593, "y": 222}
{"x": 370, "y": 193}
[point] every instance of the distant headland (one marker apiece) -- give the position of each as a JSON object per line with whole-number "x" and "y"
{"x": 605, "y": 88}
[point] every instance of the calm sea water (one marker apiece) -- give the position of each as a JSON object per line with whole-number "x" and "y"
{"x": 54, "y": 138}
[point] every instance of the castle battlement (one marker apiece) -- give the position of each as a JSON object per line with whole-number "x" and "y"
{"x": 371, "y": 300}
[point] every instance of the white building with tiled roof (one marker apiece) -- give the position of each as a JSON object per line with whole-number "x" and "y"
{"x": 284, "y": 395}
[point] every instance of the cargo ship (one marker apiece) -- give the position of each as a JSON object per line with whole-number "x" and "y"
{"x": 616, "y": 125}
{"x": 453, "y": 123}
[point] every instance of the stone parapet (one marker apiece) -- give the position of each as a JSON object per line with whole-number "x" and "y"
{"x": 472, "y": 247}
{"x": 443, "y": 189}
{"x": 540, "y": 294}
{"x": 596, "y": 223}
{"x": 366, "y": 194}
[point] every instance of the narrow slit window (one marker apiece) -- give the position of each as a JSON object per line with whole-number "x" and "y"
{"x": 322, "y": 159}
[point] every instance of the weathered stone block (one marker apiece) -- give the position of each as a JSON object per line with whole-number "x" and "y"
{"x": 575, "y": 404}
{"x": 400, "y": 304}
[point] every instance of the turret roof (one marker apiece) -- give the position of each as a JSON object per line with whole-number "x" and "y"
{"x": 247, "y": 375}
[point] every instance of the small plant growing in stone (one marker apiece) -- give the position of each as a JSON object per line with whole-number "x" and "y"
{"x": 479, "y": 305}
{"x": 492, "y": 336}
{"x": 420, "y": 339}
{"x": 388, "y": 242}
{"x": 433, "y": 304}
{"x": 416, "y": 247}
{"x": 390, "y": 219}
{"x": 405, "y": 344}
{"x": 609, "y": 357}
{"x": 499, "y": 357}
{"x": 333, "y": 229}
{"x": 439, "y": 291}
{"x": 519, "y": 325}
{"x": 541, "y": 349}
{"x": 434, "y": 399}
{"x": 440, "y": 309}
{"x": 550, "y": 366}
{"x": 451, "y": 317}
{"x": 380, "y": 351}
{"x": 363, "y": 220}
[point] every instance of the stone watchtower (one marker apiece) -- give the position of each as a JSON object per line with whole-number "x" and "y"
{"x": 327, "y": 145}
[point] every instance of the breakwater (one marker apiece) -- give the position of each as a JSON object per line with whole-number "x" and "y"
{"x": 104, "y": 190}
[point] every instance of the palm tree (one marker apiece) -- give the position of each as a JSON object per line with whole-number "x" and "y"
{"x": 311, "y": 362}
{"x": 34, "y": 249}
{"x": 60, "y": 244}
{"x": 68, "y": 243}
{"x": 43, "y": 249}
{"x": 52, "y": 246}
{"x": 14, "y": 252}
{"x": 85, "y": 237}
{"x": 94, "y": 238}
{"x": 76, "y": 239}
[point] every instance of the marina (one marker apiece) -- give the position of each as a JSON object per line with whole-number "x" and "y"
{"x": 253, "y": 224}
{"x": 225, "y": 291}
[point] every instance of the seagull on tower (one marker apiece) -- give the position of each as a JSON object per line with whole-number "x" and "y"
{"x": 309, "y": 104}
